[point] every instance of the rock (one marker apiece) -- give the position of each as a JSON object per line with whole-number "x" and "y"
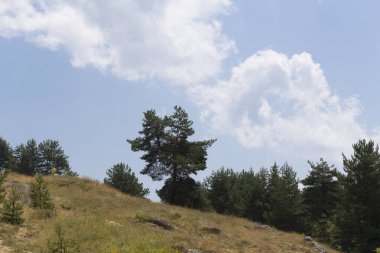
{"x": 318, "y": 248}
{"x": 212, "y": 230}
{"x": 193, "y": 251}
{"x": 161, "y": 223}
{"x": 258, "y": 227}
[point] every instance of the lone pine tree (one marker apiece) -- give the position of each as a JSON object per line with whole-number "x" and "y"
{"x": 168, "y": 152}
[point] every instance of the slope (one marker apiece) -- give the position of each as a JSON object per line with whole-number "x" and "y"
{"x": 97, "y": 218}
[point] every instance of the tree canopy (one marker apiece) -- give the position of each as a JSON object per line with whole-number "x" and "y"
{"x": 121, "y": 177}
{"x": 45, "y": 158}
{"x": 6, "y": 154}
{"x": 168, "y": 152}
{"x": 359, "y": 214}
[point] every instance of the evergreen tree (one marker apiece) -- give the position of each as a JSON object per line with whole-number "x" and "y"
{"x": 52, "y": 156}
{"x": 359, "y": 213}
{"x": 222, "y": 191}
{"x": 40, "y": 195}
{"x": 320, "y": 198}
{"x": 189, "y": 193}
{"x": 27, "y": 158}
{"x": 6, "y": 155}
{"x": 257, "y": 194}
{"x": 3, "y": 177}
{"x": 12, "y": 208}
{"x": 168, "y": 152}
{"x": 283, "y": 207}
{"x": 121, "y": 177}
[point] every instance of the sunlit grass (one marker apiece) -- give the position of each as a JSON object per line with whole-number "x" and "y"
{"x": 102, "y": 219}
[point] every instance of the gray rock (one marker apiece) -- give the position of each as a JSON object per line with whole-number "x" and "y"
{"x": 318, "y": 248}
{"x": 212, "y": 230}
{"x": 161, "y": 223}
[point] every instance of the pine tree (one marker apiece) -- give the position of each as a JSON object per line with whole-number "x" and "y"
{"x": 222, "y": 191}
{"x": 12, "y": 208}
{"x": 320, "y": 197}
{"x": 27, "y": 158}
{"x": 52, "y": 156}
{"x": 6, "y": 155}
{"x": 121, "y": 177}
{"x": 284, "y": 199}
{"x": 359, "y": 213}
{"x": 168, "y": 151}
{"x": 40, "y": 195}
{"x": 3, "y": 177}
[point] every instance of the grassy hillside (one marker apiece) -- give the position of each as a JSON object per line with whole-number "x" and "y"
{"x": 98, "y": 218}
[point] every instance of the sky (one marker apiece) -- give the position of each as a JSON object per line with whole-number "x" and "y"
{"x": 272, "y": 81}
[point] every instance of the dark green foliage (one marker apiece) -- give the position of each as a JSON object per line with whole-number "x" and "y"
{"x": 222, "y": 191}
{"x": 189, "y": 193}
{"x": 168, "y": 152}
{"x": 52, "y": 156}
{"x": 121, "y": 177}
{"x": 284, "y": 198}
{"x": 3, "y": 177}
{"x": 12, "y": 208}
{"x": 266, "y": 197}
{"x": 255, "y": 185}
{"x": 62, "y": 244}
{"x": 6, "y": 155}
{"x": 45, "y": 158}
{"x": 27, "y": 158}
{"x": 320, "y": 198}
{"x": 358, "y": 217}
{"x": 39, "y": 194}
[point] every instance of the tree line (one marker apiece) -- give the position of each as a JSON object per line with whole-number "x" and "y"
{"x": 339, "y": 208}
{"x": 32, "y": 158}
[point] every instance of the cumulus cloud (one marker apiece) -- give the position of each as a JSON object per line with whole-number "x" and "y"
{"x": 174, "y": 40}
{"x": 284, "y": 104}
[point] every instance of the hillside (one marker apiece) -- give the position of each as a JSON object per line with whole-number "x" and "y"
{"x": 98, "y": 218}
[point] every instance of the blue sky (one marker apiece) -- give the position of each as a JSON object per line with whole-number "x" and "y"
{"x": 271, "y": 80}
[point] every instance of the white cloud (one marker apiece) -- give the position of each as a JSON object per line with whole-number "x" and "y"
{"x": 270, "y": 101}
{"x": 173, "y": 40}
{"x": 283, "y": 104}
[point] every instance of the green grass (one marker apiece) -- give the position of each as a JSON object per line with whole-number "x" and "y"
{"x": 101, "y": 219}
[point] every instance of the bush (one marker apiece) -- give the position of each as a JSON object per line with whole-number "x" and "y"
{"x": 121, "y": 177}
{"x": 40, "y": 195}
{"x": 62, "y": 244}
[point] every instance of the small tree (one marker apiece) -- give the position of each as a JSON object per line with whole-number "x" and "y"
{"x": 189, "y": 193}
{"x": 222, "y": 192}
{"x": 27, "y": 158}
{"x": 6, "y": 155}
{"x": 284, "y": 199}
{"x": 320, "y": 199}
{"x": 12, "y": 209}
{"x": 62, "y": 244}
{"x": 52, "y": 156}
{"x": 40, "y": 195}
{"x": 121, "y": 177}
{"x": 3, "y": 177}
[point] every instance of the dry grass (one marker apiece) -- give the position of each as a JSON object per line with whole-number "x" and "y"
{"x": 101, "y": 219}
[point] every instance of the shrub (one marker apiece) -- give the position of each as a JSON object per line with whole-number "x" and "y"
{"x": 12, "y": 209}
{"x": 3, "y": 176}
{"x": 62, "y": 244}
{"x": 40, "y": 195}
